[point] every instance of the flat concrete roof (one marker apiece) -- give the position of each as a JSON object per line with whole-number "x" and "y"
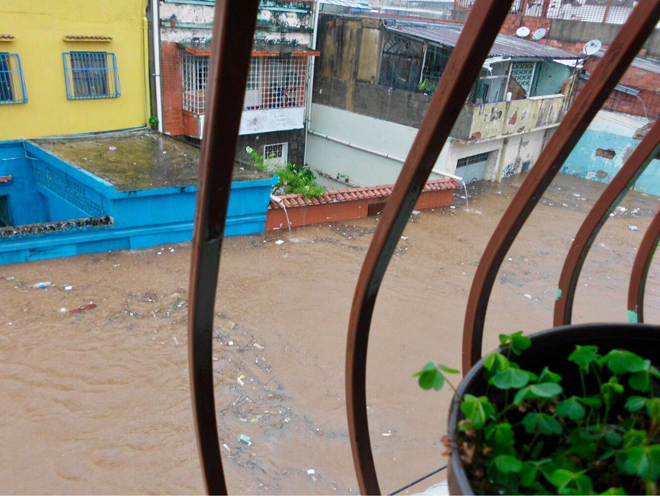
{"x": 137, "y": 160}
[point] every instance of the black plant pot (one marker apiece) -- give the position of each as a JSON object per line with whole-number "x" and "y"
{"x": 551, "y": 348}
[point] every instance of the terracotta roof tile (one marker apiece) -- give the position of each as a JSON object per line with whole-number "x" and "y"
{"x": 6, "y": 36}
{"x": 73, "y": 37}
{"x": 342, "y": 195}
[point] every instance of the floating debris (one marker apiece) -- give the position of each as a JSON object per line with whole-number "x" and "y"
{"x": 311, "y": 471}
{"x": 279, "y": 242}
{"x": 631, "y": 227}
{"x": 242, "y": 438}
{"x": 89, "y": 306}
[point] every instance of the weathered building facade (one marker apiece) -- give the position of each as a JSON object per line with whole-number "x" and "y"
{"x": 374, "y": 82}
{"x": 273, "y": 119}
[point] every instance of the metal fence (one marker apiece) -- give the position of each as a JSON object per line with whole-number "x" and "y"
{"x": 12, "y": 83}
{"x": 640, "y": 103}
{"x": 600, "y": 11}
{"x": 273, "y": 82}
{"x": 91, "y": 75}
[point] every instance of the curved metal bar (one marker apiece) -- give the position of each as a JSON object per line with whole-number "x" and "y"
{"x": 618, "y": 57}
{"x": 615, "y": 191}
{"x": 640, "y": 271}
{"x": 462, "y": 69}
{"x": 230, "y": 58}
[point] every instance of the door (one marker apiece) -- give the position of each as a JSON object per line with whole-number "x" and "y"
{"x": 472, "y": 168}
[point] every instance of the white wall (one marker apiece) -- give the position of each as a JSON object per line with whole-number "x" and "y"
{"x": 363, "y": 169}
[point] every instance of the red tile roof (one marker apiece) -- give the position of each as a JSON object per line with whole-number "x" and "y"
{"x": 343, "y": 195}
{"x": 6, "y": 36}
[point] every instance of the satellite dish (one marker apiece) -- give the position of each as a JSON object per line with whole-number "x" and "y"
{"x": 538, "y": 34}
{"x": 591, "y": 47}
{"x": 522, "y": 32}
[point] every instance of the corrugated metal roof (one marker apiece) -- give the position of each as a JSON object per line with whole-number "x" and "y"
{"x": 645, "y": 63}
{"x": 504, "y": 46}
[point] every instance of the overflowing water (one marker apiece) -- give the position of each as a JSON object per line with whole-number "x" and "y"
{"x": 99, "y": 402}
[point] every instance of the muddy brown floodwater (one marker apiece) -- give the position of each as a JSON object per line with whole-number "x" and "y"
{"x": 98, "y": 402}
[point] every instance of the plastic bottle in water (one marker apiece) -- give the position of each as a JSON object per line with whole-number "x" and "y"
{"x": 41, "y": 285}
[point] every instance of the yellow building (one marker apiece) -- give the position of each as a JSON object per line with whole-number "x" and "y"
{"x": 72, "y": 66}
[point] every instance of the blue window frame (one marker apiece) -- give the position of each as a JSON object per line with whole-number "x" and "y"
{"x": 91, "y": 75}
{"x": 12, "y": 83}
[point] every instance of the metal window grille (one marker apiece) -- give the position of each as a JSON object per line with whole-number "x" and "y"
{"x": 601, "y": 11}
{"x": 523, "y": 73}
{"x": 91, "y": 75}
{"x": 276, "y": 82}
{"x": 273, "y": 82}
{"x": 473, "y": 159}
{"x": 401, "y": 63}
{"x": 276, "y": 154}
{"x": 12, "y": 83}
{"x": 195, "y": 75}
{"x": 435, "y": 62}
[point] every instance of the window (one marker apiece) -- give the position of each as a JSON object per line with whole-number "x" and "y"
{"x": 273, "y": 83}
{"x": 525, "y": 166}
{"x": 12, "y": 84}
{"x": 91, "y": 75}
{"x": 276, "y": 154}
{"x": 195, "y": 75}
{"x": 474, "y": 159}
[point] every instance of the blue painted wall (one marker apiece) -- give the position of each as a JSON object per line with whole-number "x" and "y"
{"x": 583, "y": 161}
{"x": 141, "y": 218}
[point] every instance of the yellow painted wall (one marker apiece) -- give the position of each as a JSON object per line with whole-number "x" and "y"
{"x": 39, "y": 27}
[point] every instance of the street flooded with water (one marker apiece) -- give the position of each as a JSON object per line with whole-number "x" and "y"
{"x": 99, "y": 401}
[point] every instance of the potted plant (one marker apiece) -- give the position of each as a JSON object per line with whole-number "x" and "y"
{"x": 571, "y": 410}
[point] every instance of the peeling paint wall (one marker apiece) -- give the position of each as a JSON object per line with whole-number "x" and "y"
{"x": 591, "y": 158}
{"x": 492, "y": 120}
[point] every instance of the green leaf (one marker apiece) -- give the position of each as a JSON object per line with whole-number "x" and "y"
{"x": 522, "y": 395}
{"x": 591, "y": 401}
{"x": 548, "y": 376}
{"x": 496, "y": 362}
{"x": 643, "y": 461}
{"x": 531, "y": 376}
{"x": 614, "y": 491}
{"x": 622, "y": 361}
{"x": 583, "y": 356}
{"x": 635, "y": 403}
{"x": 528, "y": 474}
{"x": 510, "y": 378}
{"x": 500, "y": 437}
{"x": 507, "y": 464}
{"x": 543, "y": 422}
{"x": 633, "y": 438}
{"x": 653, "y": 409}
{"x": 546, "y": 390}
{"x": 430, "y": 377}
{"x": 519, "y": 342}
{"x": 562, "y": 478}
{"x": 571, "y": 408}
{"x": 446, "y": 369}
{"x": 477, "y": 410}
{"x": 614, "y": 439}
{"x": 640, "y": 381}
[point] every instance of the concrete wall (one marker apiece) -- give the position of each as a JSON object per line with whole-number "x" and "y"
{"x": 39, "y": 28}
{"x": 611, "y": 134}
{"x": 362, "y": 168}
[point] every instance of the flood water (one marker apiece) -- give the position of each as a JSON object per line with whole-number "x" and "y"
{"x": 98, "y": 402}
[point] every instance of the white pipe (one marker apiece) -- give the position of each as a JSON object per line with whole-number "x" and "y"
{"x": 310, "y": 76}
{"x": 380, "y": 154}
{"x": 276, "y": 199}
{"x": 155, "y": 20}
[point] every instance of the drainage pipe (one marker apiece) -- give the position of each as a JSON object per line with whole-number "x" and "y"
{"x": 311, "y": 63}
{"x": 155, "y": 22}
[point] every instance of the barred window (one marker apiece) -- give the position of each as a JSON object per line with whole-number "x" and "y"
{"x": 12, "y": 84}
{"x": 273, "y": 83}
{"x": 91, "y": 75}
{"x": 276, "y": 154}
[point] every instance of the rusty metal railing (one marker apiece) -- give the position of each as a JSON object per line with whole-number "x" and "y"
{"x": 227, "y": 81}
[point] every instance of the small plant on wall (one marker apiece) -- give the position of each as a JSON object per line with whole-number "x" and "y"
{"x": 292, "y": 179}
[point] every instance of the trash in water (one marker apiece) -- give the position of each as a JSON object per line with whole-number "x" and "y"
{"x": 621, "y": 209}
{"x": 632, "y": 228}
{"x": 529, "y": 297}
{"x": 258, "y": 346}
{"x": 89, "y": 306}
{"x": 387, "y": 434}
{"x": 238, "y": 379}
{"x": 230, "y": 343}
{"x": 112, "y": 148}
{"x": 405, "y": 238}
{"x": 160, "y": 253}
{"x": 242, "y": 438}
{"x": 62, "y": 309}
{"x": 226, "y": 447}
{"x": 416, "y": 212}
{"x": 311, "y": 471}
{"x": 41, "y": 285}
{"x": 279, "y": 242}
{"x": 68, "y": 288}
{"x": 576, "y": 195}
